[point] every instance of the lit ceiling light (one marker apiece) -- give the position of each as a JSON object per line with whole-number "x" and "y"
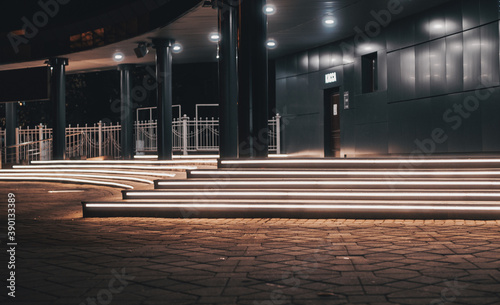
{"x": 328, "y": 21}
{"x": 177, "y": 48}
{"x": 118, "y": 56}
{"x": 269, "y": 9}
{"x": 214, "y": 37}
{"x": 271, "y": 44}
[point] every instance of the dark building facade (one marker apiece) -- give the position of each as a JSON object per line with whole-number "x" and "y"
{"x": 424, "y": 85}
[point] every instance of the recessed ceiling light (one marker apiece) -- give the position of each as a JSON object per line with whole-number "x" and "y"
{"x": 214, "y": 37}
{"x": 271, "y": 44}
{"x": 118, "y": 56}
{"x": 177, "y": 48}
{"x": 328, "y": 21}
{"x": 269, "y": 9}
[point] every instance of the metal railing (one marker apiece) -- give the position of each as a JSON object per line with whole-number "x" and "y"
{"x": 189, "y": 135}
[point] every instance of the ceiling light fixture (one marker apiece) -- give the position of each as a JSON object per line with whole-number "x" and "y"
{"x": 328, "y": 21}
{"x": 177, "y": 48}
{"x": 271, "y": 44}
{"x": 269, "y": 9}
{"x": 214, "y": 37}
{"x": 118, "y": 56}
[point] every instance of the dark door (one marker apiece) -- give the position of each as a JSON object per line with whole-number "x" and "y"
{"x": 332, "y": 123}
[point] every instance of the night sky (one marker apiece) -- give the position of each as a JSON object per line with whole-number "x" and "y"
{"x": 95, "y": 96}
{"x": 91, "y": 97}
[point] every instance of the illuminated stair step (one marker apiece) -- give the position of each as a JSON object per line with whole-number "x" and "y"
{"x": 314, "y": 201}
{"x": 86, "y": 171}
{"x": 203, "y": 185}
{"x": 68, "y": 180}
{"x": 193, "y": 162}
{"x": 324, "y": 174}
{"x": 286, "y": 210}
{"x": 400, "y": 163}
{"x": 107, "y": 166}
{"x": 311, "y": 195}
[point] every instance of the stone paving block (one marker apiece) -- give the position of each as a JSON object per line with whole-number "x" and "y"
{"x": 66, "y": 259}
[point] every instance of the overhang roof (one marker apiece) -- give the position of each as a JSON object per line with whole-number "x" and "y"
{"x": 297, "y": 25}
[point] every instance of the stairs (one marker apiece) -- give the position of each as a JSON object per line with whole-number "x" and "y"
{"x": 467, "y": 188}
{"x": 112, "y": 173}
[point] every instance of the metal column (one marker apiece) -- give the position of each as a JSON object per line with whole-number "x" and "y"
{"x": 164, "y": 97}
{"x": 228, "y": 78}
{"x": 58, "y": 100}
{"x": 11, "y": 125}
{"x": 253, "y": 80}
{"x": 126, "y": 119}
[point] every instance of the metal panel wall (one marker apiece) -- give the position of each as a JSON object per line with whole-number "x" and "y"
{"x": 453, "y": 18}
{"x": 422, "y": 71}
{"x": 431, "y": 67}
{"x": 407, "y": 88}
{"x": 470, "y": 13}
{"x": 472, "y": 59}
{"x": 454, "y": 63}
{"x": 489, "y": 55}
{"x": 437, "y": 53}
{"x": 394, "y": 76}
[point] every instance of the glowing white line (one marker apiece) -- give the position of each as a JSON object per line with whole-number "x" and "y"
{"x": 106, "y": 166}
{"x": 291, "y": 206}
{"x": 326, "y": 183}
{"x": 360, "y": 161}
{"x": 314, "y": 194}
{"x": 67, "y": 180}
{"x": 345, "y": 173}
{"x": 327, "y": 201}
{"x": 79, "y": 175}
{"x": 199, "y": 156}
{"x": 86, "y": 171}
{"x": 146, "y": 157}
{"x": 278, "y": 156}
{"x": 155, "y": 162}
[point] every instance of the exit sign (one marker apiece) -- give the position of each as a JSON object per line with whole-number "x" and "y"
{"x": 331, "y": 78}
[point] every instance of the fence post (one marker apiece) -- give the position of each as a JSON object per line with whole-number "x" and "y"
{"x": 41, "y": 143}
{"x": 278, "y": 134}
{"x": 17, "y": 145}
{"x": 100, "y": 137}
{"x": 184, "y": 135}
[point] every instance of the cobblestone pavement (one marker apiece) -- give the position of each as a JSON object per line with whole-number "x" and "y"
{"x": 62, "y": 258}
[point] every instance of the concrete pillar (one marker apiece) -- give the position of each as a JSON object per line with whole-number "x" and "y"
{"x": 253, "y": 80}
{"x": 11, "y": 123}
{"x": 58, "y": 100}
{"x": 126, "y": 114}
{"x": 164, "y": 96}
{"x": 228, "y": 79}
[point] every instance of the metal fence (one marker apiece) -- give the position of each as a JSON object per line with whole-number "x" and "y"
{"x": 189, "y": 135}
